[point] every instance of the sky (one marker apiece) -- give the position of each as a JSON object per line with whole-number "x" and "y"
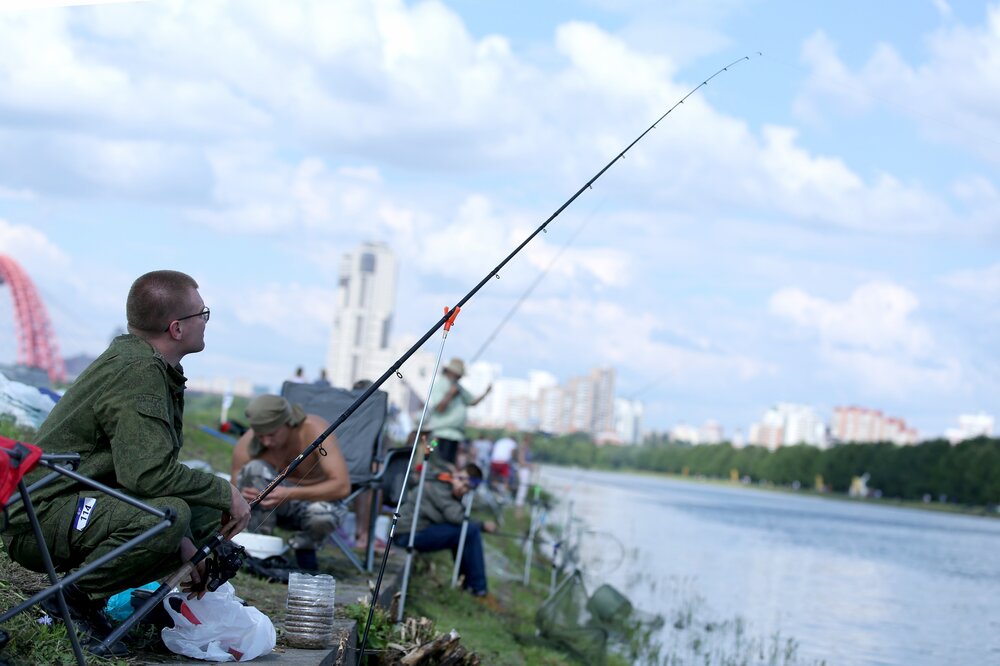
{"x": 818, "y": 225}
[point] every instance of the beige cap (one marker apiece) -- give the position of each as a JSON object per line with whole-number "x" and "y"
{"x": 456, "y": 366}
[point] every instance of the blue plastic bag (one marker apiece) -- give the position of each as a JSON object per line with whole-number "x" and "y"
{"x": 119, "y": 606}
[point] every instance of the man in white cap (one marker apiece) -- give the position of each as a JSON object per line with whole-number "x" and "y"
{"x": 449, "y": 404}
{"x": 307, "y": 499}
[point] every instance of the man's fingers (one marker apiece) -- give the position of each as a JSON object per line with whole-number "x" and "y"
{"x": 234, "y": 527}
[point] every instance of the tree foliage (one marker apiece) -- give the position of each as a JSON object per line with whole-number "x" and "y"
{"x": 968, "y": 473}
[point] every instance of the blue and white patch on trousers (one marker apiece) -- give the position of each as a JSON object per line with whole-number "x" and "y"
{"x": 84, "y": 507}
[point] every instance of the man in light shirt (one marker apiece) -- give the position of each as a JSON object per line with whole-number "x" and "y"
{"x": 449, "y": 406}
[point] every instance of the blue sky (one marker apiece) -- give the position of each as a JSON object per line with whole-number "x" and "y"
{"x": 818, "y": 225}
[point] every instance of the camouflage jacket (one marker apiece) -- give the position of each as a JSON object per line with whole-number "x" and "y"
{"x": 124, "y": 416}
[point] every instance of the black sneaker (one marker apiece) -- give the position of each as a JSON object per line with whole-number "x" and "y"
{"x": 93, "y": 645}
{"x": 306, "y": 559}
{"x": 92, "y": 625}
{"x": 84, "y": 611}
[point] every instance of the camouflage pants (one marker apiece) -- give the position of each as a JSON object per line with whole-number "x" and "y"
{"x": 73, "y": 543}
{"x": 315, "y": 521}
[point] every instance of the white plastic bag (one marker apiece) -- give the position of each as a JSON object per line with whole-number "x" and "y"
{"x": 218, "y": 627}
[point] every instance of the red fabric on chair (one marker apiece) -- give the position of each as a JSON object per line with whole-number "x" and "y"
{"x": 16, "y": 460}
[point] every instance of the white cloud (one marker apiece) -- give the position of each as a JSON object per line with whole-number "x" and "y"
{"x": 951, "y": 96}
{"x": 258, "y": 192}
{"x": 983, "y": 282}
{"x": 943, "y": 8}
{"x": 476, "y": 239}
{"x": 16, "y": 5}
{"x": 873, "y": 338}
{"x": 21, "y": 194}
{"x": 397, "y": 85}
{"x": 817, "y": 187}
{"x": 299, "y": 313}
{"x": 52, "y": 73}
{"x": 876, "y": 317}
{"x": 894, "y": 377}
{"x": 601, "y": 62}
{"x": 30, "y": 247}
{"x": 609, "y": 333}
{"x": 981, "y": 198}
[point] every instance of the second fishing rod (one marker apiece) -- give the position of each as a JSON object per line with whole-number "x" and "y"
{"x": 449, "y": 316}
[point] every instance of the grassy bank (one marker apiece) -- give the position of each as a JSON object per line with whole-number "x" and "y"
{"x": 501, "y": 631}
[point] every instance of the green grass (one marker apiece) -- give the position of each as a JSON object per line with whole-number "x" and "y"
{"x": 8, "y": 428}
{"x": 32, "y": 643}
{"x": 504, "y": 637}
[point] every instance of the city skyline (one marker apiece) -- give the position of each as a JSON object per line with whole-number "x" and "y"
{"x": 364, "y": 289}
{"x": 817, "y": 225}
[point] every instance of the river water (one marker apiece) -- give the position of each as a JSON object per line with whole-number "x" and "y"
{"x": 849, "y": 583}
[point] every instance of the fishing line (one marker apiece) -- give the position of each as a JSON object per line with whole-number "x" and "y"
{"x": 534, "y": 284}
{"x": 205, "y": 551}
{"x": 646, "y": 387}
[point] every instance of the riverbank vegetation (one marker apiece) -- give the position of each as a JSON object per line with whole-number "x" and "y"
{"x": 502, "y": 631}
{"x": 934, "y": 471}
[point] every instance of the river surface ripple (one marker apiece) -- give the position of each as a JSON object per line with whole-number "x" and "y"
{"x": 851, "y": 582}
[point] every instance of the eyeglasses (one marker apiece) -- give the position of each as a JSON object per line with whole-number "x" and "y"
{"x": 204, "y": 314}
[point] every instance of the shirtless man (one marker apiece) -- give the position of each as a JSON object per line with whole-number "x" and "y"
{"x": 307, "y": 499}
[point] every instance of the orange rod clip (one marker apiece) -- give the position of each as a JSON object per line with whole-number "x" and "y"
{"x": 451, "y": 319}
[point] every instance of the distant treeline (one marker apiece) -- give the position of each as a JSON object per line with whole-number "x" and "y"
{"x": 967, "y": 473}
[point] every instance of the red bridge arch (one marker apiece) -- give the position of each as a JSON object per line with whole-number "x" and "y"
{"x": 36, "y": 341}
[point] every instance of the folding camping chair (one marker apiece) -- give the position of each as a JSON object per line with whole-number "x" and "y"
{"x": 16, "y": 460}
{"x": 359, "y": 439}
{"x": 392, "y": 474}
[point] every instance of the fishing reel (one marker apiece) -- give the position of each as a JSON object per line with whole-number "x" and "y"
{"x": 225, "y": 563}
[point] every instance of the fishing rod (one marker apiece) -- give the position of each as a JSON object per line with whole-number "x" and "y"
{"x": 493, "y": 273}
{"x": 225, "y": 566}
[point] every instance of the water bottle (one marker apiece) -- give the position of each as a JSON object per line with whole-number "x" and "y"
{"x": 350, "y": 527}
{"x": 309, "y": 610}
{"x": 382, "y": 525}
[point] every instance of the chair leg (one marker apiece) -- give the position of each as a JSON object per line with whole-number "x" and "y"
{"x": 373, "y": 514}
{"x": 57, "y": 585}
{"x": 339, "y": 543}
{"x": 168, "y": 517}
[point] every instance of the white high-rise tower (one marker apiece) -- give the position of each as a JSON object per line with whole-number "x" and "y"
{"x": 366, "y": 297}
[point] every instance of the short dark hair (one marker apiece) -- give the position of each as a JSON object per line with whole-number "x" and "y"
{"x": 156, "y": 298}
{"x": 472, "y": 469}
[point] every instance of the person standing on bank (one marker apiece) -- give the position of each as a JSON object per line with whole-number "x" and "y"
{"x": 450, "y": 402}
{"x": 124, "y": 416}
{"x": 307, "y": 499}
